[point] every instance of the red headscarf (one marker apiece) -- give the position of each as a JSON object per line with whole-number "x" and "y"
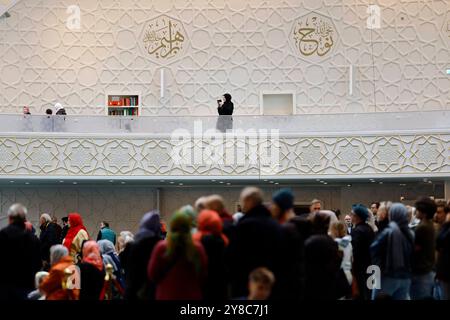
{"x": 91, "y": 254}
{"x": 76, "y": 224}
{"x": 209, "y": 222}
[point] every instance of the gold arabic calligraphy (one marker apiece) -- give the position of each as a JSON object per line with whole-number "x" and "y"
{"x": 164, "y": 38}
{"x": 313, "y": 35}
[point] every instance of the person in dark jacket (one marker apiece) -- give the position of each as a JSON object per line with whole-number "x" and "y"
{"x": 282, "y": 206}
{"x": 124, "y": 241}
{"x": 382, "y": 219}
{"x": 225, "y": 106}
{"x": 322, "y": 262}
{"x": 392, "y": 252}
{"x": 21, "y": 257}
{"x": 57, "y": 227}
{"x": 256, "y": 242}
{"x": 106, "y": 233}
{"x": 290, "y": 284}
{"x": 362, "y": 238}
{"x": 92, "y": 272}
{"x": 210, "y": 235}
{"x": 48, "y": 236}
{"x": 443, "y": 257}
{"x": 423, "y": 259}
{"x": 140, "y": 250}
{"x": 65, "y": 228}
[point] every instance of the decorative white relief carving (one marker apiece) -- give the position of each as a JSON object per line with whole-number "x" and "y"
{"x": 298, "y": 156}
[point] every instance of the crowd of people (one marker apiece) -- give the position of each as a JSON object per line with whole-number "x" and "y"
{"x": 263, "y": 251}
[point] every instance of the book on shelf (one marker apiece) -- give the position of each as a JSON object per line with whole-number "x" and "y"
{"x": 123, "y": 105}
{"x": 126, "y": 101}
{"x": 124, "y": 112}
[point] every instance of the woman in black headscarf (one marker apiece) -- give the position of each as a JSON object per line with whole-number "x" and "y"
{"x": 225, "y": 106}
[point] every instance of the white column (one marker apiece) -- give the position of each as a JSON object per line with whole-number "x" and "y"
{"x": 351, "y": 80}
{"x": 162, "y": 84}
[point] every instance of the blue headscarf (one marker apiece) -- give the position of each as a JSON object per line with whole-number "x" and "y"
{"x": 109, "y": 255}
{"x": 361, "y": 211}
{"x": 284, "y": 199}
{"x": 398, "y": 213}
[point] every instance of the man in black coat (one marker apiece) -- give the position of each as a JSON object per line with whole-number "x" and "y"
{"x": 48, "y": 236}
{"x": 255, "y": 242}
{"x": 58, "y": 228}
{"x": 65, "y": 228}
{"x": 362, "y": 237}
{"x": 20, "y": 256}
{"x": 290, "y": 285}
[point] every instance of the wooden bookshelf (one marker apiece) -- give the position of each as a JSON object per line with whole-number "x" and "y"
{"x": 124, "y": 104}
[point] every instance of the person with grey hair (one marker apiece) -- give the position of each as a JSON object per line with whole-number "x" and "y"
{"x": 57, "y": 252}
{"x": 256, "y": 242}
{"x": 17, "y": 214}
{"x": 251, "y": 197}
{"x": 216, "y": 203}
{"x": 200, "y": 204}
{"x": 124, "y": 241}
{"x": 48, "y": 237}
{"x": 20, "y": 256}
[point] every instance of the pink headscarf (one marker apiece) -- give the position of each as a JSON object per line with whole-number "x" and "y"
{"x": 91, "y": 254}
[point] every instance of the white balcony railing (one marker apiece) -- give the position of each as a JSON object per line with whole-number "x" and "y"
{"x": 432, "y": 121}
{"x": 415, "y": 144}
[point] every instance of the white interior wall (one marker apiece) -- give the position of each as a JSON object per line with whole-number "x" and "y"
{"x": 241, "y": 47}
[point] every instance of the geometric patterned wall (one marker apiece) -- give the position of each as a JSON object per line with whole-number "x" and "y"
{"x": 314, "y": 156}
{"x": 237, "y": 46}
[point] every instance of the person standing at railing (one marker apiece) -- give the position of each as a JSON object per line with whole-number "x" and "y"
{"x": 60, "y": 111}
{"x": 225, "y": 109}
{"x": 26, "y": 110}
{"x": 225, "y": 106}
